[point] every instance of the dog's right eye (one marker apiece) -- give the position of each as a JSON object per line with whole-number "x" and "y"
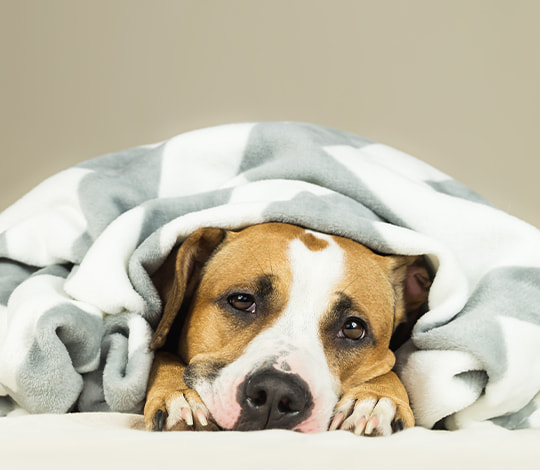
{"x": 243, "y": 302}
{"x": 353, "y": 328}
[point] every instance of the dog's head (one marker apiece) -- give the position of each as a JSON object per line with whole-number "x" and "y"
{"x": 274, "y": 322}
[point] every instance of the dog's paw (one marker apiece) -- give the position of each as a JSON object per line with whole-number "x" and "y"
{"x": 177, "y": 411}
{"x": 371, "y": 415}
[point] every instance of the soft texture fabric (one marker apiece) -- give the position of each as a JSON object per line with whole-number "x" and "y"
{"x": 76, "y": 255}
{"x": 112, "y": 440}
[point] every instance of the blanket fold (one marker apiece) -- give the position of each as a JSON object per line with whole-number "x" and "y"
{"x": 77, "y": 304}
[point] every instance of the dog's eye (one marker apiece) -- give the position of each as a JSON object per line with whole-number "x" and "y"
{"x": 243, "y": 302}
{"x": 353, "y": 328}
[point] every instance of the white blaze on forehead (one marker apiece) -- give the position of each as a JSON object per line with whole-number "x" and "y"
{"x": 292, "y": 344}
{"x": 314, "y": 278}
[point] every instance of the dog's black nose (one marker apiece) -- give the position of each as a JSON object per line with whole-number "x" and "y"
{"x": 272, "y": 399}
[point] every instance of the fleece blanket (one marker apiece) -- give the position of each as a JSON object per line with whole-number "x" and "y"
{"x": 77, "y": 305}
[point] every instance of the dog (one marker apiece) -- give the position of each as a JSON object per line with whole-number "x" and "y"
{"x": 277, "y": 326}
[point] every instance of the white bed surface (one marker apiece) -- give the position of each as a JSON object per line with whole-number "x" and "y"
{"x": 111, "y": 440}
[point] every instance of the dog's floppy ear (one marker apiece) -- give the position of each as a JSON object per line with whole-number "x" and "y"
{"x": 179, "y": 275}
{"x": 412, "y": 280}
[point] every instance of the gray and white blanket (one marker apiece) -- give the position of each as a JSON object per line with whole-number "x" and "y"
{"x": 77, "y": 305}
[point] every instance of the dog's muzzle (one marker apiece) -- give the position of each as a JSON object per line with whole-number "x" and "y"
{"x": 271, "y": 399}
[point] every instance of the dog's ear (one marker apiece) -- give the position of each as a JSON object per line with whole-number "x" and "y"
{"x": 412, "y": 280}
{"x": 180, "y": 274}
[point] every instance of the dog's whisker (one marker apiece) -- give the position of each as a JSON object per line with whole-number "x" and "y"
{"x": 354, "y": 279}
{"x": 271, "y": 267}
{"x": 257, "y": 261}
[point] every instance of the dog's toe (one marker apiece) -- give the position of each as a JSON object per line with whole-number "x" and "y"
{"x": 370, "y": 416}
{"x": 380, "y": 419}
{"x": 178, "y": 411}
{"x": 187, "y": 411}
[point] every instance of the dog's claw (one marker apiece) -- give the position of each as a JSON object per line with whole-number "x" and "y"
{"x": 399, "y": 425}
{"x": 371, "y": 425}
{"x": 360, "y": 426}
{"x": 337, "y": 421}
{"x": 201, "y": 417}
{"x": 159, "y": 418}
{"x": 186, "y": 414}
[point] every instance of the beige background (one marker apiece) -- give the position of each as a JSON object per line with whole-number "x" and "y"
{"x": 454, "y": 82}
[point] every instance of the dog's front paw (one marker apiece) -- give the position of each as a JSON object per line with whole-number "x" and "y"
{"x": 177, "y": 411}
{"x": 376, "y": 408}
{"x": 369, "y": 416}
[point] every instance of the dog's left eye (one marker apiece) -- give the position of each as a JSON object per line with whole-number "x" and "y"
{"x": 243, "y": 302}
{"x": 353, "y": 328}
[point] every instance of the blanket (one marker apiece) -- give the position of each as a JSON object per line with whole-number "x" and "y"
{"x": 90, "y": 441}
{"x": 77, "y": 305}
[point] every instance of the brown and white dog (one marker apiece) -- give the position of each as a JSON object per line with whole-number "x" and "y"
{"x": 276, "y": 326}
